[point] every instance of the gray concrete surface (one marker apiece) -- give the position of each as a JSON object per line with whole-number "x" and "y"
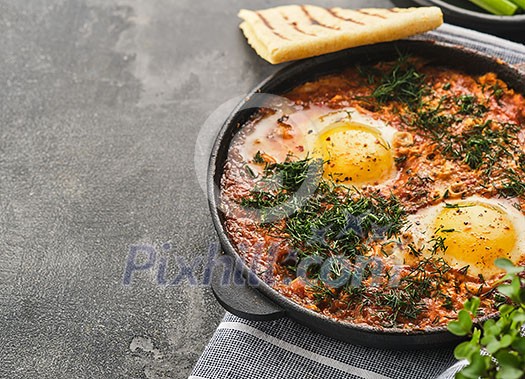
{"x": 101, "y": 104}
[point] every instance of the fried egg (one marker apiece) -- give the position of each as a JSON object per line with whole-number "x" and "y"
{"x": 355, "y": 147}
{"x": 354, "y": 153}
{"x": 472, "y": 232}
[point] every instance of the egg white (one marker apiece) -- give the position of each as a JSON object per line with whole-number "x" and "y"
{"x": 306, "y": 127}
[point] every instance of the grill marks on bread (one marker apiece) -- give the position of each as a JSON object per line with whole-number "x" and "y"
{"x": 269, "y": 26}
{"x": 334, "y": 13}
{"x": 314, "y": 21}
{"x": 313, "y": 18}
{"x": 298, "y": 31}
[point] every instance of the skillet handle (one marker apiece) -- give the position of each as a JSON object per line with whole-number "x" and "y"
{"x": 236, "y": 296}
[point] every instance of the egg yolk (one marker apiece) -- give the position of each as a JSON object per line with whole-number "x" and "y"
{"x": 475, "y": 234}
{"x": 354, "y": 154}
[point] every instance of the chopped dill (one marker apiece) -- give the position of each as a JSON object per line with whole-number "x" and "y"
{"x": 496, "y": 91}
{"x": 456, "y": 206}
{"x": 469, "y": 105}
{"x": 400, "y": 160}
{"x": 414, "y": 251}
{"x": 484, "y": 146}
{"x": 339, "y": 220}
{"x": 250, "y": 171}
{"x": 402, "y": 82}
{"x": 406, "y": 301}
{"x": 513, "y": 185}
{"x": 258, "y": 158}
{"x": 279, "y": 183}
{"x": 481, "y": 146}
{"x": 438, "y": 243}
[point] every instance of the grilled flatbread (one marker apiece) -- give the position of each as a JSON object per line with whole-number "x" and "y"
{"x": 291, "y": 32}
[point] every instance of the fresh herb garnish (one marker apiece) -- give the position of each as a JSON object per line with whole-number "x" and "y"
{"x": 258, "y": 158}
{"x": 274, "y": 192}
{"x": 433, "y": 118}
{"x": 496, "y": 91}
{"x": 470, "y": 106}
{"x": 401, "y": 82}
{"x": 406, "y": 300}
{"x": 481, "y": 143}
{"x": 497, "y": 349}
{"x": 339, "y": 220}
{"x": 481, "y": 146}
{"x": 513, "y": 184}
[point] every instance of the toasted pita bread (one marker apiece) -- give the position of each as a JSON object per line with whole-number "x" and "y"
{"x": 291, "y": 32}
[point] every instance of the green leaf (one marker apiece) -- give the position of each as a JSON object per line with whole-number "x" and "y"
{"x": 519, "y": 345}
{"x": 455, "y": 328}
{"x": 506, "y": 372}
{"x": 506, "y": 340}
{"x": 508, "y": 266}
{"x": 476, "y": 334}
{"x": 465, "y": 320}
{"x": 462, "y": 326}
{"x": 518, "y": 318}
{"x": 501, "y": 337}
{"x": 505, "y": 309}
{"x": 465, "y": 350}
{"x": 472, "y": 305}
{"x": 490, "y": 329}
{"x": 507, "y": 359}
{"x": 477, "y": 368}
{"x": 493, "y": 346}
{"x": 512, "y": 290}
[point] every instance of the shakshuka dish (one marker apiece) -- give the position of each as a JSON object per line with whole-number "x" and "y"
{"x": 382, "y": 194}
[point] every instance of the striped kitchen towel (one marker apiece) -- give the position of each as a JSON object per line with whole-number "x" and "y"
{"x": 242, "y": 349}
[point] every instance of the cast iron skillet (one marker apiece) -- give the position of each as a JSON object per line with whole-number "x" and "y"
{"x": 252, "y": 298}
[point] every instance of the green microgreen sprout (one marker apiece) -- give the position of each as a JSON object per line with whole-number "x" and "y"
{"x": 497, "y": 348}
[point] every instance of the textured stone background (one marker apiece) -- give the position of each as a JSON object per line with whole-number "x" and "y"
{"x": 101, "y": 105}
